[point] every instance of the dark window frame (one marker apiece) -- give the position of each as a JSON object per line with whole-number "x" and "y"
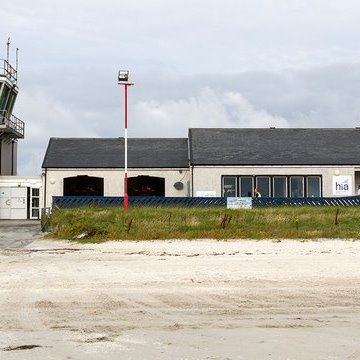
{"x": 271, "y": 183}
{"x": 223, "y": 190}
{"x": 283, "y": 177}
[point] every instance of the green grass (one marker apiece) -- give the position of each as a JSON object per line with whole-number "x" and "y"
{"x": 142, "y": 223}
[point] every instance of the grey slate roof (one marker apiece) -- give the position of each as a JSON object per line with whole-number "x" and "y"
{"x": 109, "y": 153}
{"x": 274, "y": 146}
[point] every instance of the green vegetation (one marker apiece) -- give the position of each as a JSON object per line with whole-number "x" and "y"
{"x": 93, "y": 224}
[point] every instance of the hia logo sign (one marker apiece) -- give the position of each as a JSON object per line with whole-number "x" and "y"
{"x": 342, "y": 185}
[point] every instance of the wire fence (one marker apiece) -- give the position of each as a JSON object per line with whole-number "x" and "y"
{"x": 104, "y": 201}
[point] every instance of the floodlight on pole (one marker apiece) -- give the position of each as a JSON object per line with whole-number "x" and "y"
{"x": 123, "y": 77}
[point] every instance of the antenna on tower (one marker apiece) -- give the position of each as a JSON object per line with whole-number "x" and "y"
{"x": 7, "y": 50}
{"x": 17, "y": 59}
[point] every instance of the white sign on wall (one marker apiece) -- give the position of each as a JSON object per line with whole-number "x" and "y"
{"x": 206, "y": 194}
{"x": 239, "y": 202}
{"x": 342, "y": 185}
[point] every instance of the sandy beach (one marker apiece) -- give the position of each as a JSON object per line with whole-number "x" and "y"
{"x": 181, "y": 300}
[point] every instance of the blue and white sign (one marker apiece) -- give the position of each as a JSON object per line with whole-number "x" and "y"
{"x": 239, "y": 202}
{"x": 342, "y": 185}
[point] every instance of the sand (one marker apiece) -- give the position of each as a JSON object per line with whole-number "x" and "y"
{"x": 181, "y": 300}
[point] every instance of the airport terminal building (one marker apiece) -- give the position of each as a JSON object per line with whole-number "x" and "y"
{"x": 279, "y": 162}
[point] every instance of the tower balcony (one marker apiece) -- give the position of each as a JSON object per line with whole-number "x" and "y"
{"x": 7, "y": 71}
{"x": 11, "y": 126}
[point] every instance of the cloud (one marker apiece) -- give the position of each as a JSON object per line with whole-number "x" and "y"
{"x": 244, "y": 114}
{"x": 45, "y": 117}
{"x": 208, "y": 109}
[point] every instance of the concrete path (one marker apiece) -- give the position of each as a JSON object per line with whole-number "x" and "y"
{"x": 18, "y": 233}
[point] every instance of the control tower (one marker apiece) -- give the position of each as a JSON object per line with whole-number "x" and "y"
{"x": 11, "y": 128}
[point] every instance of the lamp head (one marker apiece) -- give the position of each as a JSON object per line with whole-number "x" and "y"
{"x": 123, "y": 75}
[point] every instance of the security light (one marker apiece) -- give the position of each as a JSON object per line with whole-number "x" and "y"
{"x": 123, "y": 75}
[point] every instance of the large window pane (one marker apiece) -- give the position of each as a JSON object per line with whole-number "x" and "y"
{"x": 246, "y": 186}
{"x": 35, "y": 202}
{"x": 229, "y": 186}
{"x": 296, "y": 186}
{"x": 279, "y": 186}
{"x": 11, "y": 103}
{"x": 4, "y": 97}
{"x": 313, "y": 186}
{"x": 35, "y": 213}
{"x": 263, "y": 185}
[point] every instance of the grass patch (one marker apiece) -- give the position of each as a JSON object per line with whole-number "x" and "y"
{"x": 94, "y": 224}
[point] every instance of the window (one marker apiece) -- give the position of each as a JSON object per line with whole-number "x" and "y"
{"x": 246, "y": 186}
{"x": 313, "y": 185}
{"x": 273, "y": 186}
{"x": 229, "y": 186}
{"x": 4, "y": 97}
{"x": 296, "y": 186}
{"x": 263, "y": 185}
{"x": 11, "y": 103}
{"x": 279, "y": 186}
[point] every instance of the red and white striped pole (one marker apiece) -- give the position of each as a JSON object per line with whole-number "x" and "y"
{"x": 123, "y": 80}
{"x": 126, "y": 196}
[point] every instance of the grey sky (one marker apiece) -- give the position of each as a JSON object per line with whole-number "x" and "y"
{"x": 195, "y": 63}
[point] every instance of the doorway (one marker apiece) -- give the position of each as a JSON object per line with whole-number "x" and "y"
{"x": 83, "y": 185}
{"x": 146, "y": 186}
{"x": 13, "y": 203}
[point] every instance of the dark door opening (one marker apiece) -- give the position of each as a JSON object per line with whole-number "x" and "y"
{"x": 83, "y": 185}
{"x": 146, "y": 186}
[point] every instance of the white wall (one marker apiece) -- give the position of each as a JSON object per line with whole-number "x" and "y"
{"x": 208, "y": 178}
{"x": 113, "y": 180}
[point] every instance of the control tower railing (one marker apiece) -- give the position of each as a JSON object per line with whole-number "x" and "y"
{"x": 8, "y": 71}
{"x": 11, "y": 125}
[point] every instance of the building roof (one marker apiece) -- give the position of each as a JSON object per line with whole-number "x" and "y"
{"x": 110, "y": 153}
{"x": 274, "y": 146}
